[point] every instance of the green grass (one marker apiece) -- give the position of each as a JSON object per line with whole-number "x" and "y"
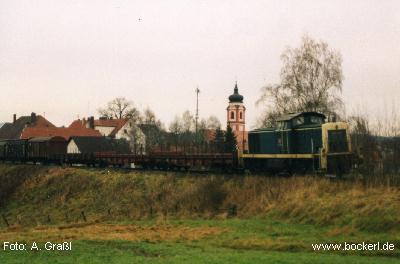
{"x": 256, "y": 240}
{"x": 151, "y": 217}
{"x": 142, "y": 252}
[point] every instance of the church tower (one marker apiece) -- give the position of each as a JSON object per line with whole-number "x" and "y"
{"x": 236, "y": 118}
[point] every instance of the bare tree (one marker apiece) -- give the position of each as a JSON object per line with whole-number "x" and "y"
{"x": 188, "y": 121}
{"x": 184, "y": 136}
{"x": 120, "y": 108}
{"x": 202, "y": 124}
{"x": 153, "y": 129}
{"x": 213, "y": 122}
{"x": 364, "y": 143}
{"x": 149, "y": 118}
{"x": 138, "y": 140}
{"x": 311, "y": 80}
{"x": 176, "y": 129}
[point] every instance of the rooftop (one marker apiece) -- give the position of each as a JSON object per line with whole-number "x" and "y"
{"x": 64, "y": 132}
{"x": 116, "y": 123}
{"x": 14, "y": 130}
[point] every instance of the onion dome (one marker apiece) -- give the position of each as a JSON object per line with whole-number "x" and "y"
{"x": 236, "y": 97}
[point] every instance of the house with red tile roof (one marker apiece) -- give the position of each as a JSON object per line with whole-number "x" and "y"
{"x": 65, "y": 132}
{"x": 115, "y": 128}
{"x": 34, "y": 126}
{"x": 16, "y": 129}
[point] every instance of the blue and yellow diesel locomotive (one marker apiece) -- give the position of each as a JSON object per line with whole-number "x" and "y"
{"x": 300, "y": 142}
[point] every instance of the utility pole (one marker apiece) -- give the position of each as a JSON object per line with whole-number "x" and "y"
{"x": 197, "y": 108}
{"x": 196, "y": 137}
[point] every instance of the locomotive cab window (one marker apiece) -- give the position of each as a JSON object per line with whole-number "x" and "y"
{"x": 337, "y": 141}
{"x": 316, "y": 120}
{"x": 298, "y": 121}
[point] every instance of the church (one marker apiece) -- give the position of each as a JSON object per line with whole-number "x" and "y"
{"x": 236, "y": 118}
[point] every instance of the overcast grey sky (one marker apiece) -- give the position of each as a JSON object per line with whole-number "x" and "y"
{"x": 67, "y": 58}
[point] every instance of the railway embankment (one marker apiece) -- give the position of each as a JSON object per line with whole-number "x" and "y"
{"x": 45, "y": 195}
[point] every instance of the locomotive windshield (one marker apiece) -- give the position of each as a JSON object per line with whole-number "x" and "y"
{"x": 316, "y": 120}
{"x": 298, "y": 121}
{"x": 337, "y": 141}
{"x": 282, "y": 125}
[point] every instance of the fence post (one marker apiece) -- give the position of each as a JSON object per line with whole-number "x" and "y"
{"x": 232, "y": 211}
{"x": 5, "y": 220}
{"x": 83, "y": 216}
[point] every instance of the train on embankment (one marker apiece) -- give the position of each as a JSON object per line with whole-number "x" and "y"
{"x": 300, "y": 142}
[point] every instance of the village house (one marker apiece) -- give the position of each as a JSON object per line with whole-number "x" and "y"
{"x": 16, "y": 129}
{"x": 26, "y": 127}
{"x": 115, "y": 128}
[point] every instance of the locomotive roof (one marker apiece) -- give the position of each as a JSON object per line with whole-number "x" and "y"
{"x": 290, "y": 116}
{"x": 262, "y": 129}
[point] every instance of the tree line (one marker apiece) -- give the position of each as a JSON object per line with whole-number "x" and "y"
{"x": 149, "y": 134}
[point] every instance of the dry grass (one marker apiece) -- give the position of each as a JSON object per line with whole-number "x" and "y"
{"x": 321, "y": 202}
{"x": 340, "y": 231}
{"x": 96, "y": 231}
{"x": 59, "y": 195}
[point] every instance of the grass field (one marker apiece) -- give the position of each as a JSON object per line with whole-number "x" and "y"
{"x": 257, "y": 240}
{"x": 135, "y": 217}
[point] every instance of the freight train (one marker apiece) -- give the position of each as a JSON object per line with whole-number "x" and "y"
{"x": 53, "y": 150}
{"x": 300, "y": 142}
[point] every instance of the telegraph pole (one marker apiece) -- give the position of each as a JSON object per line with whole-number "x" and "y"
{"x": 197, "y": 108}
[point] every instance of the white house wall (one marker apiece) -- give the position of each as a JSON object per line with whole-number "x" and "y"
{"x": 124, "y": 132}
{"x": 72, "y": 148}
